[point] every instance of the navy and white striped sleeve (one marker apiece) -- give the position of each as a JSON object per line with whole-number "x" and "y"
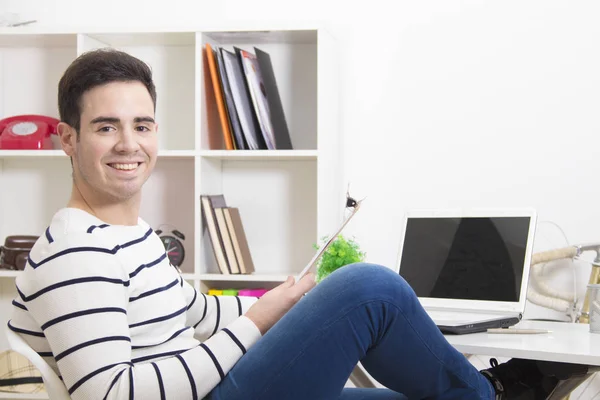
{"x": 78, "y": 293}
{"x": 210, "y": 314}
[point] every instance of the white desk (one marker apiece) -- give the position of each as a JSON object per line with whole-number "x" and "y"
{"x": 568, "y": 342}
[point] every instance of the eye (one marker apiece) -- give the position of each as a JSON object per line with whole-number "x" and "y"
{"x": 105, "y": 129}
{"x": 143, "y": 128}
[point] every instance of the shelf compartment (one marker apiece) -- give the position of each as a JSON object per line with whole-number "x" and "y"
{"x": 277, "y": 201}
{"x": 167, "y": 202}
{"x": 171, "y": 55}
{"x": 293, "y": 55}
{"x": 45, "y": 185}
{"x": 33, "y": 190}
{"x": 32, "y": 65}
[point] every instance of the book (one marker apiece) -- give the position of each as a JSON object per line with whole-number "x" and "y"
{"x": 242, "y": 101}
{"x": 238, "y": 239}
{"x": 236, "y": 127}
{"x": 219, "y": 97}
{"x": 276, "y": 112}
{"x": 258, "y": 94}
{"x": 218, "y": 205}
{"x": 210, "y": 223}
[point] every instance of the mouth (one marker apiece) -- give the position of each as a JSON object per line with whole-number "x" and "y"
{"x": 132, "y": 166}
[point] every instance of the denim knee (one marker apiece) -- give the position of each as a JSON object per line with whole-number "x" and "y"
{"x": 371, "y": 281}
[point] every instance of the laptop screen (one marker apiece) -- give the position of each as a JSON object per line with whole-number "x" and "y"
{"x": 471, "y": 258}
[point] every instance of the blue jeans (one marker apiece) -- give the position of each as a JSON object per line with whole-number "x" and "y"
{"x": 361, "y": 312}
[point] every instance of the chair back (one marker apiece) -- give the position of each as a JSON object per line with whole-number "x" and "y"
{"x": 55, "y": 388}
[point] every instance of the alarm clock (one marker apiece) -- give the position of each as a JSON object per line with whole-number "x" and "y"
{"x": 173, "y": 242}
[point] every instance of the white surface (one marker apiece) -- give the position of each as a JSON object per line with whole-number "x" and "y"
{"x": 243, "y": 278}
{"x": 261, "y": 155}
{"x": 567, "y": 342}
{"x": 23, "y": 396}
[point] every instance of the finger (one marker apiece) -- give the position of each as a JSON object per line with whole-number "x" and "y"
{"x": 305, "y": 284}
{"x": 289, "y": 282}
{"x": 310, "y": 277}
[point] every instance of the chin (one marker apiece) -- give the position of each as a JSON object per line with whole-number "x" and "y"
{"x": 125, "y": 195}
{"x": 126, "y": 192}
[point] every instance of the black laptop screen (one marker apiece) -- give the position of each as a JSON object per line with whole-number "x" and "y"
{"x": 465, "y": 258}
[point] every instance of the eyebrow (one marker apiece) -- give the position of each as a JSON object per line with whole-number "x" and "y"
{"x": 143, "y": 119}
{"x": 114, "y": 120}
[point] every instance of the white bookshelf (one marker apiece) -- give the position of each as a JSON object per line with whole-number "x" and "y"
{"x": 266, "y": 155}
{"x": 60, "y": 153}
{"x": 288, "y": 199}
{"x": 23, "y": 396}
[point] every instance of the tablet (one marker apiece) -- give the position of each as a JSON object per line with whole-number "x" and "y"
{"x": 319, "y": 253}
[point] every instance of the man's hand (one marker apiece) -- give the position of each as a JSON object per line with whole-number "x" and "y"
{"x": 276, "y": 302}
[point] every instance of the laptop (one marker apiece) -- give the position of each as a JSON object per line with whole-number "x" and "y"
{"x": 469, "y": 268}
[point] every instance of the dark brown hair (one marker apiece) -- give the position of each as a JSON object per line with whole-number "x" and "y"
{"x": 96, "y": 68}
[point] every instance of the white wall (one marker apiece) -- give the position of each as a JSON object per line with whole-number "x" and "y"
{"x": 443, "y": 103}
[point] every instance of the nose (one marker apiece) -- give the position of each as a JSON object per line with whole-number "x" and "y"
{"x": 127, "y": 142}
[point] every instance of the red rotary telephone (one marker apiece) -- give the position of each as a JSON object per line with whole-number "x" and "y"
{"x": 27, "y": 132}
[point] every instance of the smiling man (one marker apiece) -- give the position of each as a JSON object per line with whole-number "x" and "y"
{"x": 111, "y": 137}
{"x": 99, "y": 299}
{"x": 101, "y": 303}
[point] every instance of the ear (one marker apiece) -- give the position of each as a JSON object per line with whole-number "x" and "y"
{"x": 68, "y": 137}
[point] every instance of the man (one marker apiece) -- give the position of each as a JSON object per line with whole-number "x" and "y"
{"x": 100, "y": 301}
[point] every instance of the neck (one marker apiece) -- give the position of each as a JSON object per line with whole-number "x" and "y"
{"x": 111, "y": 211}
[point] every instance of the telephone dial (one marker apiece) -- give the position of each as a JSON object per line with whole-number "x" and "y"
{"x": 27, "y": 132}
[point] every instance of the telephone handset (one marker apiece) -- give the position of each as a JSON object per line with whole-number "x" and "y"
{"x": 30, "y": 131}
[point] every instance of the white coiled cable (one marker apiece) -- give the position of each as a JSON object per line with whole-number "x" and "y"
{"x": 539, "y": 291}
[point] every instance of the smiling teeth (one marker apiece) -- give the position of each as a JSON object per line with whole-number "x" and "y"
{"x": 125, "y": 166}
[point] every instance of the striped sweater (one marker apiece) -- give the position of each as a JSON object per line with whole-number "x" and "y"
{"x": 103, "y": 305}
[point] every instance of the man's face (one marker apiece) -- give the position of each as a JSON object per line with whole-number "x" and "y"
{"x": 117, "y": 147}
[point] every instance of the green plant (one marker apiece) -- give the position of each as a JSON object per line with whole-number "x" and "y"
{"x": 341, "y": 252}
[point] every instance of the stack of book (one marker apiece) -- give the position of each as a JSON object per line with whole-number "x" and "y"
{"x": 247, "y": 99}
{"x": 227, "y": 236}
